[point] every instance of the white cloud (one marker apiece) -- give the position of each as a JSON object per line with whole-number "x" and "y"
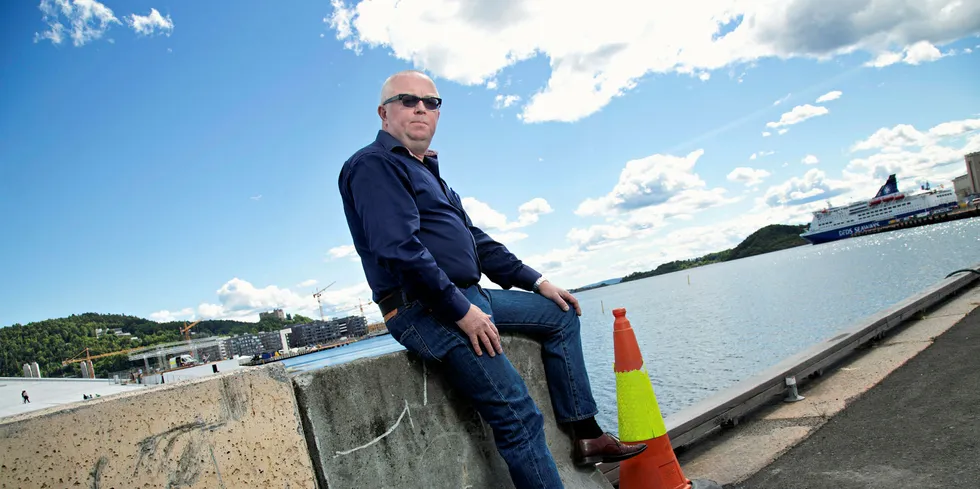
{"x": 345, "y": 251}
{"x": 648, "y": 181}
{"x": 827, "y": 97}
{"x": 813, "y": 186}
{"x": 915, "y": 156}
{"x": 810, "y": 160}
{"x": 170, "y": 316}
{"x": 240, "y": 300}
{"x": 904, "y": 135}
{"x": 486, "y": 218}
{"x": 256, "y": 197}
{"x": 798, "y": 114}
{"x": 307, "y": 283}
{"x": 780, "y": 101}
{"x": 749, "y": 176}
{"x": 597, "y": 54}
{"x": 504, "y": 101}
{"x": 492, "y": 85}
{"x": 147, "y": 25}
{"x": 649, "y": 191}
{"x": 766, "y": 134}
{"x": 783, "y": 131}
{"x": 88, "y": 20}
{"x": 920, "y": 52}
{"x": 598, "y": 234}
{"x": 760, "y": 154}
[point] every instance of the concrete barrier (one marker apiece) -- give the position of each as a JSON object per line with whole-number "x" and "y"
{"x": 239, "y": 429}
{"x": 392, "y": 421}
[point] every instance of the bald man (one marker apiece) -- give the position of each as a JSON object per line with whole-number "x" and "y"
{"x": 424, "y": 258}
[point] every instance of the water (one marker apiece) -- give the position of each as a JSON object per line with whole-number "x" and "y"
{"x": 738, "y": 318}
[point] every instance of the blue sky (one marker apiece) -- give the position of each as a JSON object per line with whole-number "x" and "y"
{"x": 179, "y": 159}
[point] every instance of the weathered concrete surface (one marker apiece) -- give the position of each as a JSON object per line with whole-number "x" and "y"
{"x": 239, "y": 429}
{"x": 920, "y": 428}
{"x": 738, "y": 453}
{"x": 393, "y": 422}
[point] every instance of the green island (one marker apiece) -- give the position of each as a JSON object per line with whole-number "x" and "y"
{"x": 53, "y": 341}
{"x": 773, "y": 237}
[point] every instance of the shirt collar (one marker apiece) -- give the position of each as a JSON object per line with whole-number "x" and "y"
{"x": 390, "y": 143}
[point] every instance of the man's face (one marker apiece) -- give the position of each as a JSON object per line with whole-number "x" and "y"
{"x": 410, "y": 124}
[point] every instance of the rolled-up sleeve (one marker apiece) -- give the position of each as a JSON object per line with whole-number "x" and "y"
{"x": 381, "y": 193}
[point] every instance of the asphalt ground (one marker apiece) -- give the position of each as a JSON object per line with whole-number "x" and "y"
{"x": 919, "y": 428}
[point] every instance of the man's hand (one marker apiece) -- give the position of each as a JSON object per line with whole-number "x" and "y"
{"x": 561, "y": 296}
{"x": 478, "y": 326}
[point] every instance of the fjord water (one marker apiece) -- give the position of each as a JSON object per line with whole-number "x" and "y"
{"x": 738, "y": 318}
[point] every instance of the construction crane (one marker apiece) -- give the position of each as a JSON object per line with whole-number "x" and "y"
{"x": 89, "y": 357}
{"x": 317, "y": 295}
{"x": 186, "y": 331}
{"x": 361, "y": 305}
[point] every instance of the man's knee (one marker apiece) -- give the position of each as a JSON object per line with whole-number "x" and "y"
{"x": 570, "y": 321}
{"x": 525, "y": 422}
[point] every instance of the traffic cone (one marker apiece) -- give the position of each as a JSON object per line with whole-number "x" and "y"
{"x": 640, "y": 419}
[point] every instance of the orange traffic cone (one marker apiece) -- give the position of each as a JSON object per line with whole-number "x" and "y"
{"x": 640, "y": 419}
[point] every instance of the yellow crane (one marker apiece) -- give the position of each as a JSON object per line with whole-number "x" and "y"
{"x": 89, "y": 357}
{"x": 186, "y": 330}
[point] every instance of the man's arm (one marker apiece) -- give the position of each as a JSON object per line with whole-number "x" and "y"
{"x": 499, "y": 264}
{"x": 390, "y": 219}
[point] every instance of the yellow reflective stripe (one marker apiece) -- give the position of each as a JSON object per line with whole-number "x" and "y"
{"x": 639, "y": 414}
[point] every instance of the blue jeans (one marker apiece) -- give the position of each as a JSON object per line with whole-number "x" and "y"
{"x": 494, "y": 386}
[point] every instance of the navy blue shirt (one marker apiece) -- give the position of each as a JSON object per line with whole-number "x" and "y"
{"x": 411, "y": 231}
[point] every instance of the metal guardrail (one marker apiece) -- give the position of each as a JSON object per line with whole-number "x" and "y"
{"x": 728, "y": 406}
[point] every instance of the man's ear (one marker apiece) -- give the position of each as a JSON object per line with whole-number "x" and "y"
{"x": 382, "y": 113}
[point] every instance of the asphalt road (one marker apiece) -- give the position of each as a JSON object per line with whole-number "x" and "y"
{"x": 919, "y": 428}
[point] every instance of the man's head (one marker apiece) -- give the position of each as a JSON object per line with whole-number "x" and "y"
{"x": 415, "y": 125}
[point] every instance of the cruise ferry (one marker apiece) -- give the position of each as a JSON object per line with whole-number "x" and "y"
{"x": 886, "y": 207}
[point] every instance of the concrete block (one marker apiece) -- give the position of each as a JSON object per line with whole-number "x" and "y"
{"x": 392, "y": 421}
{"x": 239, "y": 429}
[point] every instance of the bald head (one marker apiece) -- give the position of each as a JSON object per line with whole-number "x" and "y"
{"x": 413, "y": 126}
{"x": 390, "y": 87}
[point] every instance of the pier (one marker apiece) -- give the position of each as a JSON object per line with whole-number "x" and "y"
{"x": 889, "y": 399}
{"x": 965, "y": 212}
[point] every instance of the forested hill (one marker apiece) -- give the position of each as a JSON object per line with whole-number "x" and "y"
{"x": 774, "y": 237}
{"x": 52, "y": 341}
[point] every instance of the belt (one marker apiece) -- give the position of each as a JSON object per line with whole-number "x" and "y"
{"x": 399, "y": 298}
{"x": 390, "y": 304}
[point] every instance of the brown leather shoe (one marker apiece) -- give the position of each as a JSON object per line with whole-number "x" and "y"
{"x": 607, "y": 448}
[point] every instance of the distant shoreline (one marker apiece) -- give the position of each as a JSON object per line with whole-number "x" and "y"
{"x": 774, "y": 237}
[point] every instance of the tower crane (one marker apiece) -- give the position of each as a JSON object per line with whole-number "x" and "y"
{"x": 186, "y": 331}
{"x": 317, "y": 295}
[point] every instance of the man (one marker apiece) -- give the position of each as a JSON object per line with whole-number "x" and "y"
{"x": 423, "y": 259}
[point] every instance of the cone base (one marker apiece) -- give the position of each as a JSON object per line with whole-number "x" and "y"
{"x": 655, "y": 468}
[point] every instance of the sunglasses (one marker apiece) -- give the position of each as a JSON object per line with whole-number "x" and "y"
{"x": 431, "y": 103}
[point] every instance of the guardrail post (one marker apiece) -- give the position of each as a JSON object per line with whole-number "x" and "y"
{"x": 793, "y": 395}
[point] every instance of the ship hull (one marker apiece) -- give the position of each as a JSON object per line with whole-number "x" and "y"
{"x": 848, "y": 231}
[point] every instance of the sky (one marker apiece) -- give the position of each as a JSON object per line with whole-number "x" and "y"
{"x": 179, "y": 160}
